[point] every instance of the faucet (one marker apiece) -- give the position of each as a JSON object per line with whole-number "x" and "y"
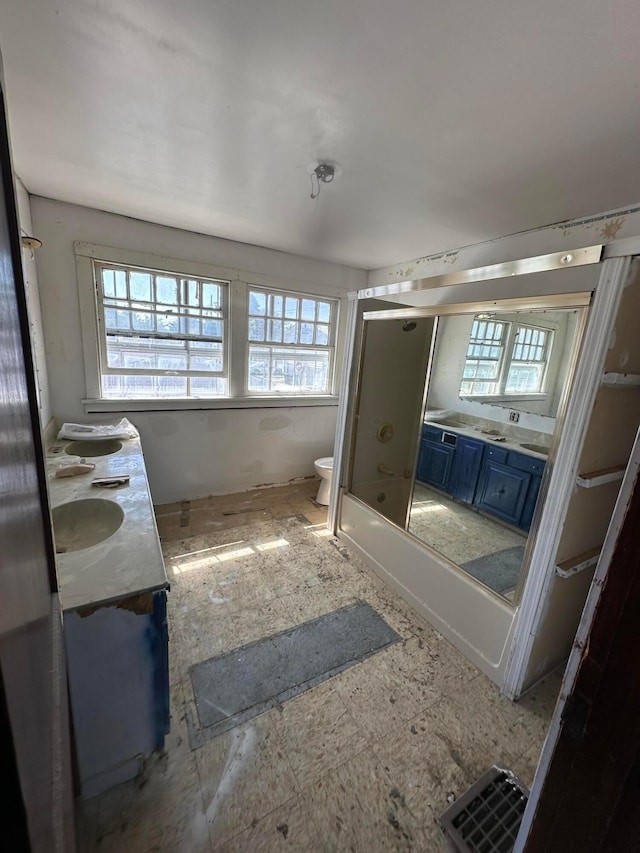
{"x": 384, "y": 469}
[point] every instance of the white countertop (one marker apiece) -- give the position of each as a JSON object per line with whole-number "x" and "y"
{"x": 130, "y": 561}
{"x": 508, "y": 443}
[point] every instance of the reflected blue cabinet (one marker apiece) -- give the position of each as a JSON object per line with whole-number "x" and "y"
{"x": 502, "y": 491}
{"x": 466, "y": 468}
{"x": 435, "y": 463}
{"x": 498, "y": 481}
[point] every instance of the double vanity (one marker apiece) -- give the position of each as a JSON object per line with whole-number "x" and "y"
{"x": 497, "y": 474}
{"x": 113, "y": 590}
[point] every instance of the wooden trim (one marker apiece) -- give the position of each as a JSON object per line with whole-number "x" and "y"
{"x": 562, "y": 483}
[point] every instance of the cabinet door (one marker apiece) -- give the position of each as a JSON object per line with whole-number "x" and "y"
{"x": 502, "y": 491}
{"x": 530, "y": 503}
{"x": 434, "y": 464}
{"x": 466, "y": 469}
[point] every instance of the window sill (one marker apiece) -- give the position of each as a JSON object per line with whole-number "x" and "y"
{"x": 186, "y": 404}
{"x": 504, "y": 398}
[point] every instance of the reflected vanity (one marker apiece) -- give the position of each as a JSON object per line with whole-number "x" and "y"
{"x": 457, "y": 416}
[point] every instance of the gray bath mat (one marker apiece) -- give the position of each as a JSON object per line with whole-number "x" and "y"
{"x": 499, "y": 571}
{"x": 248, "y": 681}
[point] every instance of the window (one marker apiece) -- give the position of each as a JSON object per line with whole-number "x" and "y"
{"x": 162, "y": 334}
{"x": 505, "y": 359}
{"x": 290, "y": 343}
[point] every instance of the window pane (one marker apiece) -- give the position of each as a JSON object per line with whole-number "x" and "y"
{"x": 276, "y": 305}
{"x": 275, "y": 331}
{"x": 256, "y": 329}
{"x": 306, "y": 333}
{"x": 324, "y": 312}
{"x": 167, "y": 290}
{"x": 212, "y": 328}
{"x": 108, "y": 283}
{"x": 288, "y": 370}
{"x": 202, "y": 386}
{"x": 142, "y": 321}
{"x": 167, "y": 323}
{"x": 291, "y": 333}
{"x": 322, "y": 335}
{"x": 192, "y": 293}
{"x": 140, "y": 284}
{"x": 291, "y": 307}
{"x": 308, "y": 309}
{"x": 257, "y": 302}
{"x": 121, "y": 284}
{"x": 211, "y": 295}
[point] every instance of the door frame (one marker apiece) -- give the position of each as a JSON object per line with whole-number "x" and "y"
{"x": 597, "y": 607}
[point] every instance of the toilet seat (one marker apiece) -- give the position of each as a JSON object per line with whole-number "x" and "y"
{"x": 325, "y": 462}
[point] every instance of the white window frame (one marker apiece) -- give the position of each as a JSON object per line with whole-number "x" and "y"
{"x": 237, "y": 350}
{"x": 102, "y": 306}
{"x": 329, "y": 347}
{"x": 506, "y": 359}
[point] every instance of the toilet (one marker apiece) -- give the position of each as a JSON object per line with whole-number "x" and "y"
{"x": 324, "y": 470}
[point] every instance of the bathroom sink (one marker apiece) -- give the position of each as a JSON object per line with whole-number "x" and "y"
{"x": 101, "y": 447}
{"x": 83, "y": 523}
{"x": 537, "y": 448}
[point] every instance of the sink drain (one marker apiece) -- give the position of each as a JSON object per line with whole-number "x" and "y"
{"x": 487, "y": 818}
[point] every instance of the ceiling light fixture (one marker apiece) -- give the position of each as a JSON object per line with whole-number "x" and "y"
{"x": 324, "y": 173}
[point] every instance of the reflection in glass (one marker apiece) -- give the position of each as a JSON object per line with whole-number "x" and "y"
{"x": 496, "y": 381}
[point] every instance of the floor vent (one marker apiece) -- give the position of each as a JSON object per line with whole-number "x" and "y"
{"x": 486, "y": 818}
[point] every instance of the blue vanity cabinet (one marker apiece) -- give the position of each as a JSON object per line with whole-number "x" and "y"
{"x": 435, "y": 460}
{"x": 509, "y": 485}
{"x": 466, "y": 468}
{"x": 118, "y": 671}
{"x": 534, "y": 467}
{"x": 502, "y": 491}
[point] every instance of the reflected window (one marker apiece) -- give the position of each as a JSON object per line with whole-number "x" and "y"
{"x": 505, "y": 358}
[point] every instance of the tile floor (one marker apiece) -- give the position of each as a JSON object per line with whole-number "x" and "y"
{"x": 364, "y": 762}
{"x": 455, "y": 530}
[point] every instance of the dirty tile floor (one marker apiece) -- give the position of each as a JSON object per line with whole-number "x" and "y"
{"x": 364, "y": 762}
{"x": 456, "y": 530}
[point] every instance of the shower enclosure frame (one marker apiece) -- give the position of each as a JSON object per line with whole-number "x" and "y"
{"x": 509, "y": 673}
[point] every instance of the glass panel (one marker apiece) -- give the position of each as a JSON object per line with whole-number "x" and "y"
{"x": 166, "y": 290}
{"x": 257, "y": 302}
{"x": 275, "y": 305}
{"x": 477, "y": 476}
{"x": 211, "y": 295}
{"x": 121, "y": 284}
{"x": 275, "y": 331}
{"x": 140, "y": 284}
{"x": 192, "y": 293}
{"x": 108, "y": 283}
{"x": 292, "y": 306}
{"x": 322, "y": 335}
{"x": 306, "y": 333}
{"x": 393, "y": 370}
{"x": 288, "y": 370}
{"x": 291, "y": 332}
{"x": 324, "y": 312}
{"x": 308, "y": 309}
{"x": 256, "y": 329}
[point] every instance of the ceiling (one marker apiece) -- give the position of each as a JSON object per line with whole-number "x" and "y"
{"x": 451, "y": 123}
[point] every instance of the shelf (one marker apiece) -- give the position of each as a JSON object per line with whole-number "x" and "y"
{"x": 601, "y": 477}
{"x": 578, "y": 564}
{"x": 621, "y": 380}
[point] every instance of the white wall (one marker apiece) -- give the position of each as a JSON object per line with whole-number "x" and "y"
{"x": 33, "y": 307}
{"x": 189, "y": 454}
